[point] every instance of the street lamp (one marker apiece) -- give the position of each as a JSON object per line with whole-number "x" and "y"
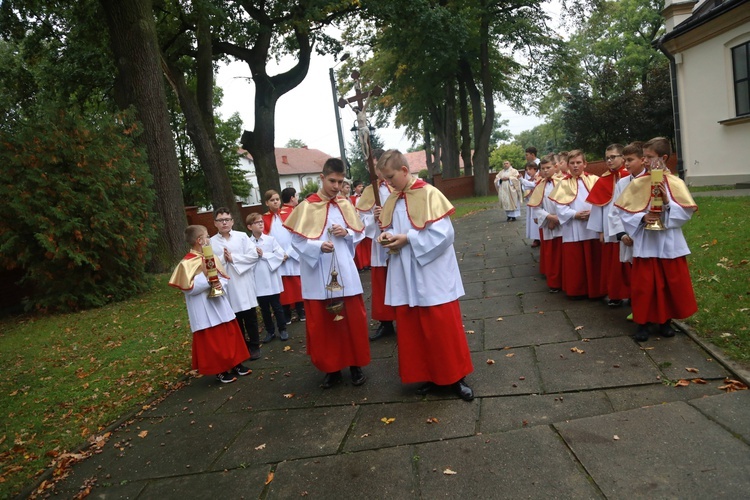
{"x": 338, "y": 117}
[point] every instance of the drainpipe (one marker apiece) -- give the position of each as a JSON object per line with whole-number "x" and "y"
{"x": 675, "y": 107}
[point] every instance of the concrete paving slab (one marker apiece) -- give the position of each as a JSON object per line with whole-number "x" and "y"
{"x": 197, "y": 397}
{"x": 274, "y": 355}
{"x": 513, "y": 372}
{"x": 244, "y": 482}
{"x": 474, "y": 289}
{"x": 273, "y": 436}
{"x": 522, "y": 330}
{"x": 471, "y": 263}
{"x": 266, "y": 388}
{"x": 545, "y": 301}
{"x": 383, "y": 473}
{"x": 512, "y": 461}
{"x": 629, "y": 398}
{"x": 665, "y": 451}
{"x": 525, "y": 270}
{"x": 489, "y": 274}
{"x": 729, "y": 410}
{"x": 412, "y": 424}
{"x": 490, "y": 308}
{"x": 674, "y": 355}
{"x": 607, "y": 362}
{"x": 107, "y": 491}
{"x": 475, "y": 339}
{"x": 511, "y": 413}
{"x": 514, "y": 286}
{"x": 598, "y": 320}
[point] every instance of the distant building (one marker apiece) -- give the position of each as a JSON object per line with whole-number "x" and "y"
{"x": 296, "y": 166}
{"x": 708, "y": 42}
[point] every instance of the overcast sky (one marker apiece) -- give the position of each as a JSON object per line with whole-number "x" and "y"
{"x": 307, "y": 111}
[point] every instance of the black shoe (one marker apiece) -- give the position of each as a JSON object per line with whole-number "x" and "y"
{"x": 331, "y": 379}
{"x": 425, "y": 388}
{"x": 242, "y": 370}
{"x": 463, "y": 390}
{"x": 254, "y": 354}
{"x": 554, "y": 290}
{"x": 614, "y": 303}
{"x": 301, "y": 316}
{"x": 283, "y": 335}
{"x": 509, "y": 219}
{"x": 641, "y": 334}
{"x": 226, "y": 377}
{"x": 666, "y": 330}
{"x": 385, "y": 328}
{"x": 269, "y": 337}
{"x": 358, "y": 376}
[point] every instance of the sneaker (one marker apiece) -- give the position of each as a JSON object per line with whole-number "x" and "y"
{"x": 302, "y": 317}
{"x": 254, "y": 354}
{"x": 226, "y": 377}
{"x": 269, "y": 337}
{"x": 289, "y": 321}
{"x": 242, "y": 370}
{"x": 554, "y": 290}
{"x": 614, "y": 303}
{"x": 283, "y": 335}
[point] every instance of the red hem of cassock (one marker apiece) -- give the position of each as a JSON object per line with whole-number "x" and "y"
{"x": 380, "y": 310}
{"x": 554, "y": 263}
{"x": 543, "y": 249}
{"x": 334, "y": 345}
{"x": 432, "y": 344}
{"x": 363, "y": 253}
{"x": 219, "y": 348}
{"x": 582, "y": 261}
{"x": 292, "y": 290}
{"x": 615, "y": 275}
{"x": 661, "y": 290}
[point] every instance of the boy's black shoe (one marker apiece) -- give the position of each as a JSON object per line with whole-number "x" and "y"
{"x": 331, "y": 379}
{"x": 463, "y": 390}
{"x": 226, "y": 377}
{"x": 641, "y": 334}
{"x": 254, "y": 354}
{"x": 358, "y": 376}
{"x": 666, "y": 330}
{"x": 614, "y": 303}
{"x": 425, "y": 388}
{"x": 385, "y": 328}
{"x": 269, "y": 337}
{"x": 301, "y": 316}
{"x": 554, "y": 290}
{"x": 242, "y": 370}
{"x": 283, "y": 335}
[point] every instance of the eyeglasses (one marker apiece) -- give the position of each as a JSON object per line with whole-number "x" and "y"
{"x": 224, "y": 221}
{"x": 612, "y": 157}
{"x": 257, "y": 222}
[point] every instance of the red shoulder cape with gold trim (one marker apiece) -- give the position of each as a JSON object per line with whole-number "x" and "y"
{"x": 602, "y": 192}
{"x": 309, "y": 218}
{"x": 188, "y": 268}
{"x": 566, "y": 190}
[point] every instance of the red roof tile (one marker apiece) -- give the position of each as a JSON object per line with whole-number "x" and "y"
{"x": 293, "y": 161}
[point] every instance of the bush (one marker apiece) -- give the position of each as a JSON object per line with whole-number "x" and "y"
{"x": 511, "y": 152}
{"x": 309, "y": 188}
{"x": 423, "y": 174}
{"x": 78, "y": 203}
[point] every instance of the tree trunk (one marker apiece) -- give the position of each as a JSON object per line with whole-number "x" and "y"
{"x": 206, "y": 148}
{"x": 139, "y": 82}
{"x": 465, "y": 134}
{"x": 444, "y": 118}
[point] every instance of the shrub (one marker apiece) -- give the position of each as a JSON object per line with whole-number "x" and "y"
{"x": 423, "y": 174}
{"x": 78, "y": 200}
{"x": 308, "y": 189}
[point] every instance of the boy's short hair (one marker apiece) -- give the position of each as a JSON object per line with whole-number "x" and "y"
{"x": 392, "y": 158}
{"x": 531, "y": 164}
{"x": 546, "y": 159}
{"x": 333, "y": 165}
{"x": 192, "y": 233}
{"x": 287, "y": 194}
{"x": 221, "y": 210}
{"x": 615, "y": 147}
{"x": 252, "y": 217}
{"x": 563, "y": 155}
{"x": 269, "y": 194}
{"x": 348, "y": 181}
{"x": 358, "y": 183}
{"x": 660, "y": 145}
{"x": 377, "y": 153}
{"x": 531, "y": 149}
{"x": 634, "y": 148}
{"x": 576, "y": 152}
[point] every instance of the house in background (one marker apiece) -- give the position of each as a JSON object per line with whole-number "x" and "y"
{"x": 296, "y": 166}
{"x": 708, "y": 43}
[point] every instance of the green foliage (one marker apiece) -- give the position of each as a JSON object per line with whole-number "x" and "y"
{"x": 546, "y": 138}
{"x": 295, "y": 143}
{"x": 423, "y": 174}
{"x": 78, "y": 202}
{"x": 359, "y": 170}
{"x": 309, "y": 188}
{"x": 511, "y": 152}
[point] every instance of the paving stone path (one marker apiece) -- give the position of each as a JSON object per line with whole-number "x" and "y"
{"x": 568, "y": 406}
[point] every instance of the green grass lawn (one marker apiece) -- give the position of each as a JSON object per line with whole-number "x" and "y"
{"x": 69, "y": 376}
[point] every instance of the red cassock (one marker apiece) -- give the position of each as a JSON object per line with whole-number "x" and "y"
{"x": 380, "y": 310}
{"x": 582, "y": 261}
{"x": 292, "y": 292}
{"x": 432, "y": 344}
{"x": 219, "y": 348}
{"x": 615, "y": 276}
{"x": 363, "y": 253}
{"x": 650, "y": 278}
{"x": 553, "y": 264}
{"x": 334, "y": 345}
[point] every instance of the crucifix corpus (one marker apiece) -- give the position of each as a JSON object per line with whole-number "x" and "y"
{"x": 362, "y": 99}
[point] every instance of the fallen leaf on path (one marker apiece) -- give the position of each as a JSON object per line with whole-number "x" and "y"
{"x": 261, "y": 446}
{"x": 449, "y": 472}
{"x": 647, "y": 348}
{"x": 470, "y": 332}
{"x": 732, "y": 385}
{"x": 289, "y": 395}
{"x": 510, "y": 355}
{"x": 143, "y": 434}
{"x": 499, "y": 319}
{"x": 269, "y": 477}
{"x": 682, "y": 383}
{"x": 692, "y": 370}
{"x": 699, "y": 381}
{"x": 580, "y": 327}
{"x": 616, "y": 437}
{"x": 387, "y": 421}
{"x": 287, "y": 348}
{"x": 364, "y": 435}
{"x": 432, "y": 420}
{"x": 577, "y": 350}
{"x": 490, "y": 361}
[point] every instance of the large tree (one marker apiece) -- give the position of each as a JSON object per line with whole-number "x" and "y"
{"x": 140, "y": 83}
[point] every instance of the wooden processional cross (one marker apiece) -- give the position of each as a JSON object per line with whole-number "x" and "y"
{"x": 363, "y": 130}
